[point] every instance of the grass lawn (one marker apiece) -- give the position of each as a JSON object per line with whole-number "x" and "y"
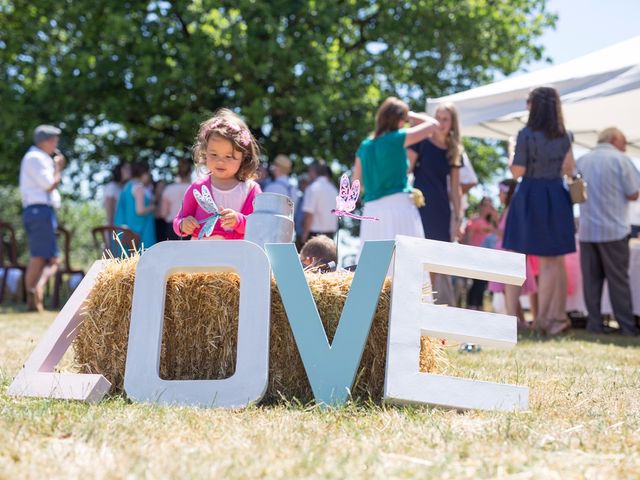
{"x": 583, "y": 422}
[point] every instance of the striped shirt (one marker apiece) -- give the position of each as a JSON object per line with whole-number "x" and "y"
{"x": 611, "y": 178}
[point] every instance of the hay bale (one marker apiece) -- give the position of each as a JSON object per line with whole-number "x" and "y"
{"x": 200, "y": 331}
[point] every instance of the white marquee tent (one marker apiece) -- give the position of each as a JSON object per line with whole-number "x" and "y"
{"x": 598, "y": 90}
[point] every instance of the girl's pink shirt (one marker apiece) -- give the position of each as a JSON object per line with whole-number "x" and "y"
{"x": 477, "y": 229}
{"x": 191, "y": 208}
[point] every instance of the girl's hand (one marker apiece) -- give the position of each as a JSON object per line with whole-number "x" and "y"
{"x": 228, "y": 218}
{"x": 418, "y": 118}
{"x": 188, "y": 225}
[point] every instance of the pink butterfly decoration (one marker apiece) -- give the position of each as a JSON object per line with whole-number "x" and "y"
{"x": 346, "y": 200}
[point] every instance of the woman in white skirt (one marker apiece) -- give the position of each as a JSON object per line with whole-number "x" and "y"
{"x": 382, "y": 166}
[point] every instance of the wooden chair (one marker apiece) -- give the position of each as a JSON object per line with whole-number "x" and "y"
{"x": 65, "y": 266}
{"x": 103, "y": 238}
{"x": 9, "y": 258}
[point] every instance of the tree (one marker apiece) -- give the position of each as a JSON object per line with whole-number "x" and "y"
{"x": 132, "y": 79}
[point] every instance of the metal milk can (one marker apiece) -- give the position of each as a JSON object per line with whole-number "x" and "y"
{"x": 271, "y": 220}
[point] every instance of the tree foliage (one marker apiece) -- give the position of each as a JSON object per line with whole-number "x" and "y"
{"x": 132, "y": 80}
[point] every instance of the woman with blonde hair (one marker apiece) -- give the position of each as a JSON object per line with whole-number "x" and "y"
{"x": 433, "y": 160}
{"x": 381, "y": 165}
{"x": 436, "y": 162}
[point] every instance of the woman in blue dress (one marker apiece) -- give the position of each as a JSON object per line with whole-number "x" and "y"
{"x": 433, "y": 160}
{"x": 436, "y": 163}
{"x": 540, "y": 219}
{"x": 135, "y": 209}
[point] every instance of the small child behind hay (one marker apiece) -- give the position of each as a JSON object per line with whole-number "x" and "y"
{"x": 319, "y": 253}
{"x": 229, "y": 153}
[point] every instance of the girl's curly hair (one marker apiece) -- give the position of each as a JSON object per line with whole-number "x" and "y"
{"x": 228, "y": 125}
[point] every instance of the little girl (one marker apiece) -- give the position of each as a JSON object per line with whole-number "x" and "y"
{"x": 225, "y": 147}
{"x": 479, "y": 227}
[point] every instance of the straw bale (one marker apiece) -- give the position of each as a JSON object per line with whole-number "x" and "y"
{"x": 200, "y": 331}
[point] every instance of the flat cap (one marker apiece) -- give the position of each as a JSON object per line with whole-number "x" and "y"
{"x": 44, "y": 132}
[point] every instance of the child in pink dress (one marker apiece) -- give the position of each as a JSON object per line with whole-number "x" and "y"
{"x": 480, "y": 226}
{"x": 225, "y": 147}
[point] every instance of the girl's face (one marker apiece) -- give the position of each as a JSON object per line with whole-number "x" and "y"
{"x": 503, "y": 198}
{"x": 485, "y": 206}
{"x": 444, "y": 117}
{"x": 222, "y": 161}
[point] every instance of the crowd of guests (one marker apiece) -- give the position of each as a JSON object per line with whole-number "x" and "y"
{"x": 535, "y": 216}
{"x": 131, "y": 199}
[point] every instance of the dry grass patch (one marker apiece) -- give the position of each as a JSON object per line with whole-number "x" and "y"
{"x": 584, "y": 422}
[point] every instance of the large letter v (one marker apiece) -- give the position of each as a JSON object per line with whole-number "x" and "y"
{"x": 331, "y": 368}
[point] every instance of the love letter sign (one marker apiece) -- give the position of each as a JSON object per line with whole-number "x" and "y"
{"x": 331, "y": 368}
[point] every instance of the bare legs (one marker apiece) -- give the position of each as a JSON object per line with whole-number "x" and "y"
{"x": 512, "y": 304}
{"x": 552, "y": 296}
{"x": 533, "y": 302}
{"x": 39, "y": 270}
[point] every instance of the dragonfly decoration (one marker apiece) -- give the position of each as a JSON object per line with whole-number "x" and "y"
{"x": 347, "y": 198}
{"x": 205, "y": 200}
{"x": 346, "y": 203}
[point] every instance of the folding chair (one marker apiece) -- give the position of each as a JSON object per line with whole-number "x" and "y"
{"x": 9, "y": 258}
{"x": 65, "y": 266}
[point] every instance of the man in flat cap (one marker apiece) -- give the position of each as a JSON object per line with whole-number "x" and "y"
{"x": 39, "y": 177}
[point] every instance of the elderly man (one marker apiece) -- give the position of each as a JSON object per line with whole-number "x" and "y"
{"x": 39, "y": 177}
{"x": 612, "y": 181}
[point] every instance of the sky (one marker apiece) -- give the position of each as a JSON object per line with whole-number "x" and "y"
{"x": 587, "y": 25}
{"x": 584, "y": 26}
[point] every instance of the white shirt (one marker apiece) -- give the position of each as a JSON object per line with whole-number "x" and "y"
{"x": 634, "y": 213}
{"x": 467, "y": 176}
{"x": 319, "y": 200}
{"x": 174, "y": 194}
{"x": 467, "y": 173}
{"x": 233, "y": 198}
{"x": 37, "y": 174}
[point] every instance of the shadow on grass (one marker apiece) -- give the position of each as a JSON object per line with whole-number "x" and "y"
{"x": 13, "y": 308}
{"x": 581, "y": 335}
{"x": 21, "y": 308}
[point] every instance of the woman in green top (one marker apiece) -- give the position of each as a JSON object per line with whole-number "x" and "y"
{"x": 135, "y": 206}
{"x": 382, "y": 167}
